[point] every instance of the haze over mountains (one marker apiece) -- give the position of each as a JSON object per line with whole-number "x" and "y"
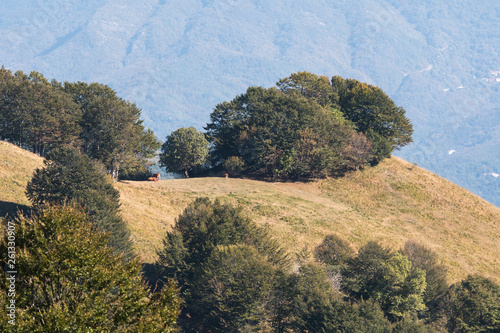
{"x": 178, "y": 59}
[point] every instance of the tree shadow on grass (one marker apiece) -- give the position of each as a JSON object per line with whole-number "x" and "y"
{"x": 152, "y": 276}
{"x": 11, "y": 209}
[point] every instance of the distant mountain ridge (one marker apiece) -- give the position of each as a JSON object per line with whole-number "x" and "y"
{"x": 178, "y": 59}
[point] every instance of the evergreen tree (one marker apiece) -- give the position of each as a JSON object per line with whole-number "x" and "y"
{"x": 69, "y": 280}
{"x": 73, "y": 178}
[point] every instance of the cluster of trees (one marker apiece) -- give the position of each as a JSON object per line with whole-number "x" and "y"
{"x": 235, "y": 278}
{"x": 304, "y": 127}
{"x": 40, "y": 116}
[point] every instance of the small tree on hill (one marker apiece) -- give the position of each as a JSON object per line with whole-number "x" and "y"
{"x": 184, "y": 150}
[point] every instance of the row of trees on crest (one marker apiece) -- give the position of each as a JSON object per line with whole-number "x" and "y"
{"x": 306, "y": 126}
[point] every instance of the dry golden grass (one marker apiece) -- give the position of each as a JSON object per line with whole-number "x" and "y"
{"x": 390, "y": 203}
{"x": 16, "y": 169}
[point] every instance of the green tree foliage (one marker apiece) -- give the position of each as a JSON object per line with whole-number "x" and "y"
{"x": 473, "y": 305}
{"x": 374, "y": 114}
{"x": 435, "y": 272}
{"x": 410, "y": 324}
{"x": 233, "y": 290}
{"x": 334, "y": 250}
{"x": 388, "y": 278}
{"x": 73, "y": 178}
{"x": 112, "y": 131}
{"x": 36, "y": 114}
{"x": 184, "y": 150}
{"x": 310, "y": 86}
{"x": 234, "y": 165}
{"x": 191, "y": 255}
{"x": 306, "y": 127}
{"x": 279, "y": 134}
{"x": 39, "y": 115}
{"x": 70, "y": 281}
{"x": 306, "y": 302}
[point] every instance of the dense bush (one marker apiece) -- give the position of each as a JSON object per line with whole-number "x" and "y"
{"x": 69, "y": 280}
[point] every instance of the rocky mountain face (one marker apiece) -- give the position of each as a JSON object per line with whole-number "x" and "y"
{"x": 177, "y": 59}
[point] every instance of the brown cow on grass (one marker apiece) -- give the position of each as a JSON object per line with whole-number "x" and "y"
{"x": 155, "y": 178}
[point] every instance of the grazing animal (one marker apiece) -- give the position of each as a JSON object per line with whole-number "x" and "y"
{"x": 155, "y": 178}
{"x": 225, "y": 174}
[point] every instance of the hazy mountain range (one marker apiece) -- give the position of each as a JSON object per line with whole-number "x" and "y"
{"x": 178, "y": 59}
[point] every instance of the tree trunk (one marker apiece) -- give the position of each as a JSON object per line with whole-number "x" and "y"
{"x": 116, "y": 171}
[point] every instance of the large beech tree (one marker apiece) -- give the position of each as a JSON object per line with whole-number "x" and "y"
{"x": 375, "y": 114}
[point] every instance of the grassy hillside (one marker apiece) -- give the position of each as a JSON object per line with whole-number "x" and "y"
{"x": 391, "y": 203}
{"x": 16, "y": 169}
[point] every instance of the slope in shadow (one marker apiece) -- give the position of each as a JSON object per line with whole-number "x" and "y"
{"x": 12, "y": 209}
